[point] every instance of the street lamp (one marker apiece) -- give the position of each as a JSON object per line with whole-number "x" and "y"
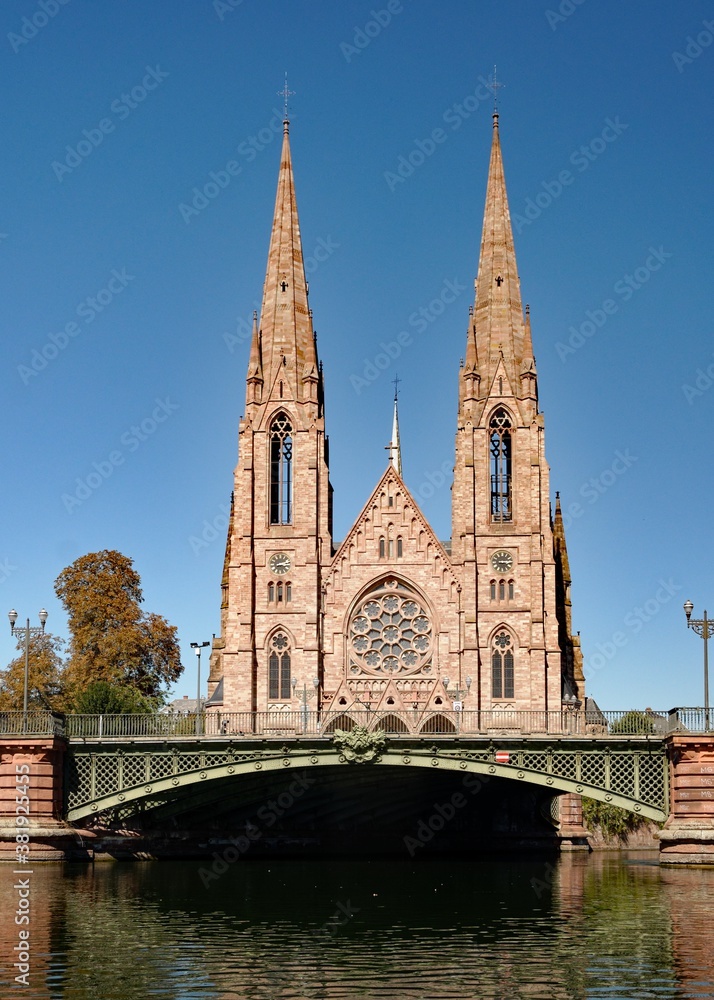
{"x": 458, "y": 693}
{"x": 304, "y": 696}
{"x": 27, "y": 631}
{"x": 197, "y": 647}
{"x": 703, "y": 627}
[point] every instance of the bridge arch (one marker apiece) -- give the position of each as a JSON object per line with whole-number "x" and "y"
{"x": 91, "y": 793}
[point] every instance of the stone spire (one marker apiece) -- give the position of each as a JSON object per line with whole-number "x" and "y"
{"x": 286, "y": 336}
{"x": 394, "y": 447}
{"x": 498, "y": 312}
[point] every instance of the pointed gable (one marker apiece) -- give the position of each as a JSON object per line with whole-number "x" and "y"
{"x": 391, "y": 515}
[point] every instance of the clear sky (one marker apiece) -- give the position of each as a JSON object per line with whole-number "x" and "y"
{"x": 126, "y": 291}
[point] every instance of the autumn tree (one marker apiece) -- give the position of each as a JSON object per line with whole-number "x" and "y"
{"x": 112, "y": 639}
{"x": 45, "y": 675}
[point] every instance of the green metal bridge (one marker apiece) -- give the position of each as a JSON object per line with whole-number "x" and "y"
{"x": 119, "y": 765}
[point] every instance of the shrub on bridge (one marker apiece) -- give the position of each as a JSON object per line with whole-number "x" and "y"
{"x": 633, "y": 724}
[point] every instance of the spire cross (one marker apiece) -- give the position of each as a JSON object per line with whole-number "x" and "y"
{"x": 495, "y": 87}
{"x": 395, "y": 382}
{"x": 286, "y": 95}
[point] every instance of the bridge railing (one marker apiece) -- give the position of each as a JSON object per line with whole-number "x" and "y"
{"x": 31, "y": 723}
{"x": 291, "y": 724}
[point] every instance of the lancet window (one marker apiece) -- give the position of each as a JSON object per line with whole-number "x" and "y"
{"x": 281, "y": 471}
{"x": 501, "y": 466}
{"x": 279, "y": 668}
{"x": 502, "y": 663}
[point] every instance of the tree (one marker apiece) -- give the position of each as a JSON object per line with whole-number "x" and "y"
{"x": 103, "y": 698}
{"x": 112, "y": 639}
{"x": 633, "y": 723}
{"x": 45, "y": 675}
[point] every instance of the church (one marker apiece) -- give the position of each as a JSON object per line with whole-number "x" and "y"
{"x": 390, "y": 619}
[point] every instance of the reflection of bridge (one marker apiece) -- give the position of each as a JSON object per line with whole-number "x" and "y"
{"x": 116, "y": 766}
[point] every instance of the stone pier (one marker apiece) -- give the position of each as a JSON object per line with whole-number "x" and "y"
{"x": 41, "y": 760}
{"x": 688, "y": 834}
{"x": 572, "y": 832}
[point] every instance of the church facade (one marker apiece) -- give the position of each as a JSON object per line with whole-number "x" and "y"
{"x": 391, "y": 619}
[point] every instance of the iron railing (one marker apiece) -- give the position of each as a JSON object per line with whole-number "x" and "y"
{"x": 291, "y": 724}
{"x": 31, "y": 723}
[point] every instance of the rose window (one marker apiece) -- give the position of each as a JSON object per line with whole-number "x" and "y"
{"x": 390, "y": 632}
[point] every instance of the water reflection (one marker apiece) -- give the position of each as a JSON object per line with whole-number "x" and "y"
{"x": 583, "y": 927}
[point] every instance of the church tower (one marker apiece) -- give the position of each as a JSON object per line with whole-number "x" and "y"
{"x": 280, "y": 531}
{"x": 392, "y": 620}
{"x": 502, "y": 539}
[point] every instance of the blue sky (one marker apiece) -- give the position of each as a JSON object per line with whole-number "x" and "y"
{"x": 126, "y": 437}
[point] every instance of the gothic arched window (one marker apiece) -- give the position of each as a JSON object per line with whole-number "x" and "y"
{"x": 279, "y": 668}
{"x": 281, "y": 471}
{"x": 500, "y": 448}
{"x": 502, "y": 685}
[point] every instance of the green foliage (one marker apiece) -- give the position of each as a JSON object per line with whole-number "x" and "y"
{"x": 633, "y": 723}
{"x": 614, "y": 823}
{"x": 103, "y": 698}
{"x": 112, "y": 639}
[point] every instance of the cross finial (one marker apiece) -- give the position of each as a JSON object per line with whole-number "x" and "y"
{"x": 495, "y": 87}
{"x": 395, "y": 382}
{"x": 286, "y": 95}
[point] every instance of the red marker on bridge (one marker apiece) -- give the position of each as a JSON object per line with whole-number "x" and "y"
{"x": 502, "y": 757}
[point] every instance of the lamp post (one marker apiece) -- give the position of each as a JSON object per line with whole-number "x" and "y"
{"x": 703, "y": 627}
{"x": 458, "y": 693}
{"x": 27, "y": 631}
{"x": 304, "y": 696}
{"x": 197, "y": 647}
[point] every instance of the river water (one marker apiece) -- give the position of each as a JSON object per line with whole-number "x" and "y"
{"x": 606, "y": 925}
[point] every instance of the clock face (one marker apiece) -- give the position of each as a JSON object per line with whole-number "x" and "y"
{"x": 279, "y": 563}
{"x": 502, "y": 561}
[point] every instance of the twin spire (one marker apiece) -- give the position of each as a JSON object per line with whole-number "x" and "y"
{"x": 497, "y": 330}
{"x": 284, "y": 340}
